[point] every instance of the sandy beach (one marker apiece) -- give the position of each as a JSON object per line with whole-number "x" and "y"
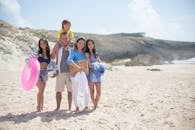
{"x": 133, "y": 98}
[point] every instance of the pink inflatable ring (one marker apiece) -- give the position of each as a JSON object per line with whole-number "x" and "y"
{"x": 30, "y": 74}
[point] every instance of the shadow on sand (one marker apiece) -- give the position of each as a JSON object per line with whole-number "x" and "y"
{"x": 45, "y": 116}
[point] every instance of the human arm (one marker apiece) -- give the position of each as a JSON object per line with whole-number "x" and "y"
{"x": 98, "y": 59}
{"x": 34, "y": 54}
{"x": 88, "y": 60}
{"x": 55, "y": 51}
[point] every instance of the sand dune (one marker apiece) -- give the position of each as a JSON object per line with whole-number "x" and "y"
{"x": 133, "y": 98}
{"x": 16, "y": 43}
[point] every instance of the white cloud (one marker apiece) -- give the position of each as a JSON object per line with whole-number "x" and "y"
{"x": 149, "y": 20}
{"x": 11, "y": 11}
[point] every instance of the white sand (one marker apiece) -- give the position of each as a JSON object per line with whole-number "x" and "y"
{"x": 133, "y": 98}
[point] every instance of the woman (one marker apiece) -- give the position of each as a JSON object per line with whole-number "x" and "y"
{"x": 79, "y": 80}
{"x": 94, "y": 77}
{"x": 44, "y": 60}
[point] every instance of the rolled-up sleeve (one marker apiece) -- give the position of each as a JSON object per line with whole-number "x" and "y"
{"x": 75, "y": 56}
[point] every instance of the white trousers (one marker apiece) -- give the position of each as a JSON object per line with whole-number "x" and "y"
{"x": 80, "y": 83}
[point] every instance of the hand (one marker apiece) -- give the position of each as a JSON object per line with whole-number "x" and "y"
{"x": 81, "y": 69}
{"x": 32, "y": 55}
{"x": 55, "y": 75}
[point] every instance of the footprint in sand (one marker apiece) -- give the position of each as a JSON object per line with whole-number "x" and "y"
{"x": 170, "y": 124}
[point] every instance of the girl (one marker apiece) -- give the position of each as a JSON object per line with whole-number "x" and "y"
{"x": 79, "y": 80}
{"x": 66, "y": 28}
{"x": 66, "y": 25}
{"x": 44, "y": 59}
{"x": 94, "y": 77}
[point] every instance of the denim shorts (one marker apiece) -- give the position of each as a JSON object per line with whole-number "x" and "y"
{"x": 43, "y": 76}
{"x": 94, "y": 76}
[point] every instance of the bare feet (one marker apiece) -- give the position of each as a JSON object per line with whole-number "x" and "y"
{"x": 39, "y": 109}
{"x": 69, "y": 110}
{"x": 86, "y": 108}
{"x": 77, "y": 109}
{"x": 56, "y": 109}
{"x": 95, "y": 104}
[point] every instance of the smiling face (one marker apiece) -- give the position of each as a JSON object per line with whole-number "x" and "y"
{"x": 43, "y": 44}
{"x": 80, "y": 44}
{"x": 66, "y": 26}
{"x": 64, "y": 39}
{"x": 44, "y": 47}
{"x": 90, "y": 45}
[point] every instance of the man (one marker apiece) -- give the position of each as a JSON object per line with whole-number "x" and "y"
{"x": 63, "y": 77}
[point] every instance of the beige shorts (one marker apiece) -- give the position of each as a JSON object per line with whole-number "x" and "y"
{"x": 63, "y": 80}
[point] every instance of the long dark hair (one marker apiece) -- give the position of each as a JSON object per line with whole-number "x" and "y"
{"x": 94, "y": 49}
{"x": 40, "y": 51}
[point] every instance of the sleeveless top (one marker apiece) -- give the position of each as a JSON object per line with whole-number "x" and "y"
{"x": 42, "y": 59}
{"x": 92, "y": 58}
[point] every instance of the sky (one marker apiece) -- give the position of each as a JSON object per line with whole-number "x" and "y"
{"x": 164, "y": 19}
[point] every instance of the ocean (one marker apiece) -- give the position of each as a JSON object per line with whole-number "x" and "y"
{"x": 187, "y": 61}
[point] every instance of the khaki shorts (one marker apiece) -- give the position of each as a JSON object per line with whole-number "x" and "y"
{"x": 62, "y": 80}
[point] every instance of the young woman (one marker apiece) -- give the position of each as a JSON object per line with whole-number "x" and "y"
{"x": 44, "y": 60}
{"x": 79, "y": 80}
{"x": 94, "y": 77}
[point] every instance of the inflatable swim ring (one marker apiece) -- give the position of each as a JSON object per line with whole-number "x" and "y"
{"x": 30, "y": 74}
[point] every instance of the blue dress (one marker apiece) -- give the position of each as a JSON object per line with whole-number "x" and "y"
{"x": 95, "y": 71}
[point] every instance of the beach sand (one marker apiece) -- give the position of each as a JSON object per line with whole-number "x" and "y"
{"x": 133, "y": 98}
